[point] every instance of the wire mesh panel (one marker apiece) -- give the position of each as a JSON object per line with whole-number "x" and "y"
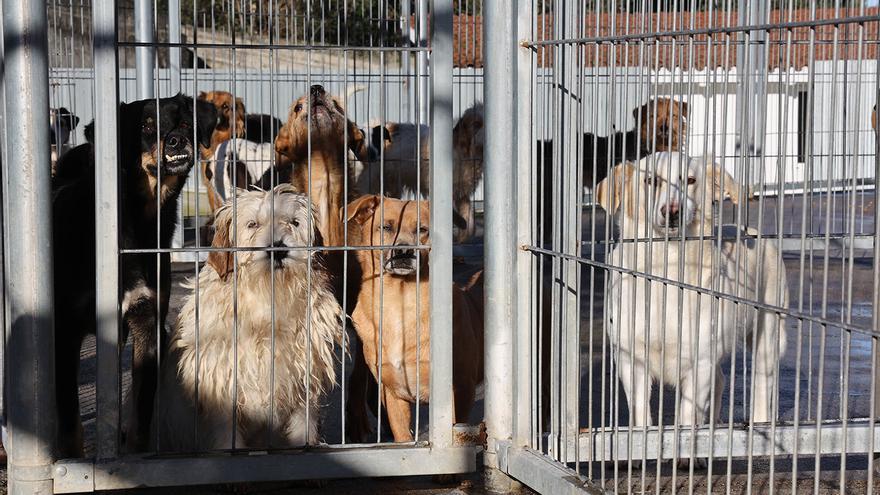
{"x": 257, "y": 203}
{"x": 704, "y": 243}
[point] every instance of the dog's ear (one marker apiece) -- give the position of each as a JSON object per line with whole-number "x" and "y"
{"x": 361, "y": 209}
{"x": 357, "y": 142}
{"x": 684, "y": 108}
{"x": 74, "y": 121}
{"x": 221, "y": 261}
{"x": 610, "y": 190}
{"x": 207, "y": 119}
{"x": 282, "y": 141}
{"x": 458, "y": 221}
{"x": 724, "y": 186}
{"x": 203, "y": 95}
{"x": 90, "y": 132}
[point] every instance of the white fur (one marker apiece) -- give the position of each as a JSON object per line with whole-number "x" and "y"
{"x": 683, "y": 327}
{"x": 308, "y": 324}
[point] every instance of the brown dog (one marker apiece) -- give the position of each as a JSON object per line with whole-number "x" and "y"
{"x": 314, "y": 140}
{"x": 663, "y": 128}
{"x": 230, "y": 121}
{"x": 389, "y": 294}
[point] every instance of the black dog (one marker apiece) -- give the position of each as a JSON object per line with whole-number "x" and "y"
{"x": 155, "y": 155}
{"x": 261, "y": 128}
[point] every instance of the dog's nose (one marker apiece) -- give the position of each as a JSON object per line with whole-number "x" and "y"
{"x": 670, "y": 211}
{"x": 172, "y": 142}
{"x": 317, "y": 90}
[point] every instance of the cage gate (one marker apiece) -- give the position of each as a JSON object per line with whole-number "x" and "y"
{"x": 374, "y": 63}
{"x": 696, "y": 237}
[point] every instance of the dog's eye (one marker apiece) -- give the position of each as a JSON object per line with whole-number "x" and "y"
{"x": 295, "y": 223}
{"x": 184, "y": 125}
{"x": 387, "y": 227}
{"x": 423, "y": 230}
{"x": 226, "y": 106}
{"x": 252, "y": 224}
{"x": 691, "y": 181}
{"x": 297, "y": 108}
{"x": 649, "y": 181}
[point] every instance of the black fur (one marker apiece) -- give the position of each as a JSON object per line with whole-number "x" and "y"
{"x": 74, "y": 246}
{"x": 261, "y": 128}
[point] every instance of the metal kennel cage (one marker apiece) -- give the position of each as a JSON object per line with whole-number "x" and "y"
{"x": 390, "y": 61}
{"x": 779, "y": 94}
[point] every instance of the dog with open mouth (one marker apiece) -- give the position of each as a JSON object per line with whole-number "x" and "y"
{"x": 158, "y": 140}
{"x": 394, "y": 283}
{"x": 307, "y": 325}
{"x": 316, "y": 139}
{"x": 230, "y": 123}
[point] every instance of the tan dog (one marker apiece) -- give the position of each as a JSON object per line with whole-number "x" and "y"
{"x": 402, "y": 178}
{"x": 389, "y": 294}
{"x": 230, "y": 122}
{"x": 314, "y": 139}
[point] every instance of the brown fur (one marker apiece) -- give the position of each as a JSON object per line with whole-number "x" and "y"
{"x": 390, "y": 299}
{"x": 315, "y": 144}
{"x": 223, "y": 102}
{"x": 874, "y": 118}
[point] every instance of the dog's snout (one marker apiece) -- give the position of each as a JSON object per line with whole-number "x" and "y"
{"x": 670, "y": 211}
{"x": 403, "y": 253}
{"x": 317, "y": 90}
{"x": 173, "y": 141}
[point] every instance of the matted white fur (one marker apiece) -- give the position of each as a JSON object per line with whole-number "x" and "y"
{"x": 680, "y": 337}
{"x": 308, "y": 324}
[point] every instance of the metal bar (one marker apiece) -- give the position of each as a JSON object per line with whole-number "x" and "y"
{"x": 708, "y": 31}
{"x": 174, "y": 54}
{"x": 145, "y": 53}
{"x": 721, "y": 443}
{"x": 349, "y": 462}
{"x": 106, "y": 229}
{"x": 543, "y": 475}
{"x": 525, "y": 317}
{"x": 30, "y": 343}
{"x": 498, "y": 29}
{"x": 441, "y": 413}
{"x": 422, "y": 60}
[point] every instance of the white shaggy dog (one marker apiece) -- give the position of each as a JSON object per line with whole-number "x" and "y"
{"x": 197, "y": 391}
{"x": 680, "y": 337}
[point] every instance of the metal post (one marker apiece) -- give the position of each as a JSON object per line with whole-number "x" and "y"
{"x": 500, "y": 247}
{"x": 174, "y": 57}
{"x": 406, "y": 58}
{"x": 106, "y": 241}
{"x": 144, "y": 55}
{"x": 524, "y": 398}
{"x": 440, "y": 408}
{"x": 30, "y": 341}
{"x": 423, "y": 60}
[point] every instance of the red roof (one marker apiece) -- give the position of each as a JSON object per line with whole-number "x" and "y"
{"x": 784, "y": 47}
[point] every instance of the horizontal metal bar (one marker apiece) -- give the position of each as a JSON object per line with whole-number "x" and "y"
{"x": 613, "y": 445}
{"x": 271, "y": 46}
{"x": 541, "y": 473}
{"x": 323, "y": 463}
{"x": 743, "y": 237}
{"x": 208, "y": 249}
{"x": 789, "y": 312}
{"x": 695, "y": 32}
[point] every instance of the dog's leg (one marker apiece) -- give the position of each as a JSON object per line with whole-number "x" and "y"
{"x": 70, "y": 432}
{"x": 139, "y": 318}
{"x": 769, "y": 347}
{"x": 358, "y": 424}
{"x": 638, "y": 393}
{"x": 695, "y": 401}
{"x": 399, "y": 416}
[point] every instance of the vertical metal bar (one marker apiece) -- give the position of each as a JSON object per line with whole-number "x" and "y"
{"x": 106, "y": 240}
{"x": 422, "y": 81}
{"x": 525, "y": 358}
{"x": 30, "y": 296}
{"x": 498, "y": 29}
{"x": 174, "y": 55}
{"x": 440, "y": 408}
{"x": 144, "y": 55}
